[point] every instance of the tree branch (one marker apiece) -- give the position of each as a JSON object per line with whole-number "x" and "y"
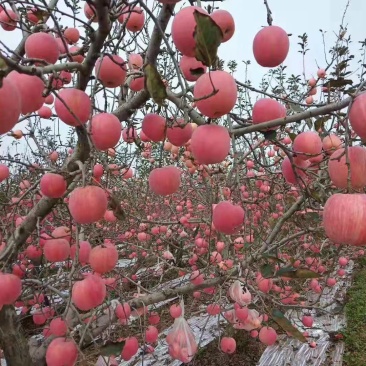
{"x": 12, "y": 338}
{"x": 294, "y": 118}
{"x": 283, "y": 219}
{"x": 105, "y": 320}
{"x": 82, "y": 152}
{"x": 127, "y": 109}
{"x": 101, "y": 34}
{"x": 180, "y": 103}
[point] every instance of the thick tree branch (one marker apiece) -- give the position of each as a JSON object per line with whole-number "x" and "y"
{"x": 40, "y": 71}
{"x": 99, "y": 37}
{"x": 296, "y": 206}
{"x": 45, "y": 205}
{"x": 82, "y": 151}
{"x": 124, "y": 112}
{"x": 158, "y": 33}
{"x": 180, "y": 103}
{"x": 314, "y": 112}
{"x": 12, "y": 338}
{"x": 127, "y": 109}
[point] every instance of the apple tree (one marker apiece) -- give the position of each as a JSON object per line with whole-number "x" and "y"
{"x": 146, "y": 170}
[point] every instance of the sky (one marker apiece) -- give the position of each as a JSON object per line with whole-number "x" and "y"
{"x": 295, "y": 16}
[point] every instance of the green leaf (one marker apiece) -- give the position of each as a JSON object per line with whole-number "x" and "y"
{"x": 208, "y": 36}
{"x": 273, "y": 257}
{"x": 314, "y": 216}
{"x": 286, "y": 325}
{"x": 296, "y": 108}
{"x": 342, "y": 50}
{"x": 112, "y": 348}
{"x": 315, "y": 194}
{"x": 267, "y": 270}
{"x": 338, "y": 83}
{"x": 292, "y": 136}
{"x": 309, "y": 122}
{"x": 269, "y": 135}
{"x": 154, "y": 84}
{"x": 319, "y": 123}
{"x": 3, "y": 197}
{"x": 198, "y": 71}
{"x": 342, "y": 65}
{"x": 292, "y": 272}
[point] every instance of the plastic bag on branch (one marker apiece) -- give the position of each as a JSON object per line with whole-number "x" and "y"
{"x": 238, "y": 295}
{"x": 181, "y": 341}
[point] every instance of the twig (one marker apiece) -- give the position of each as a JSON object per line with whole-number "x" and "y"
{"x": 269, "y": 13}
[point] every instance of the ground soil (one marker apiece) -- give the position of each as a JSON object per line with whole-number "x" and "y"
{"x": 248, "y": 352}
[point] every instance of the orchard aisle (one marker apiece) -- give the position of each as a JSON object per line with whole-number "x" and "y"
{"x": 205, "y": 328}
{"x": 328, "y": 350}
{"x": 288, "y": 351}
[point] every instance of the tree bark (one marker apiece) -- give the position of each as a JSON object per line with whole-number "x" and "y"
{"x": 12, "y": 339}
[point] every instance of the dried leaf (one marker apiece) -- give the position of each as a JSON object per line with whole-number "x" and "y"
{"x": 40, "y": 14}
{"x": 208, "y": 37}
{"x": 286, "y": 325}
{"x": 154, "y": 84}
{"x": 117, "y": 209}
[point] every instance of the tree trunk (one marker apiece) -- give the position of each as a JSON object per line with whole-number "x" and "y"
{"x": 12, "y": 340}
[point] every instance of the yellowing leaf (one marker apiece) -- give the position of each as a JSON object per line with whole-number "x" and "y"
{"x": 286, "y": 325}
{"x": 154, "y": 84}
{"x": 40, "y": 14}
{"x": 291, "y": 272}
{"x": 338, "y": 83}
{"x": 208, "y": 37}
{"x": 3, "y": 65}
{"x": 273, "y": 258}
